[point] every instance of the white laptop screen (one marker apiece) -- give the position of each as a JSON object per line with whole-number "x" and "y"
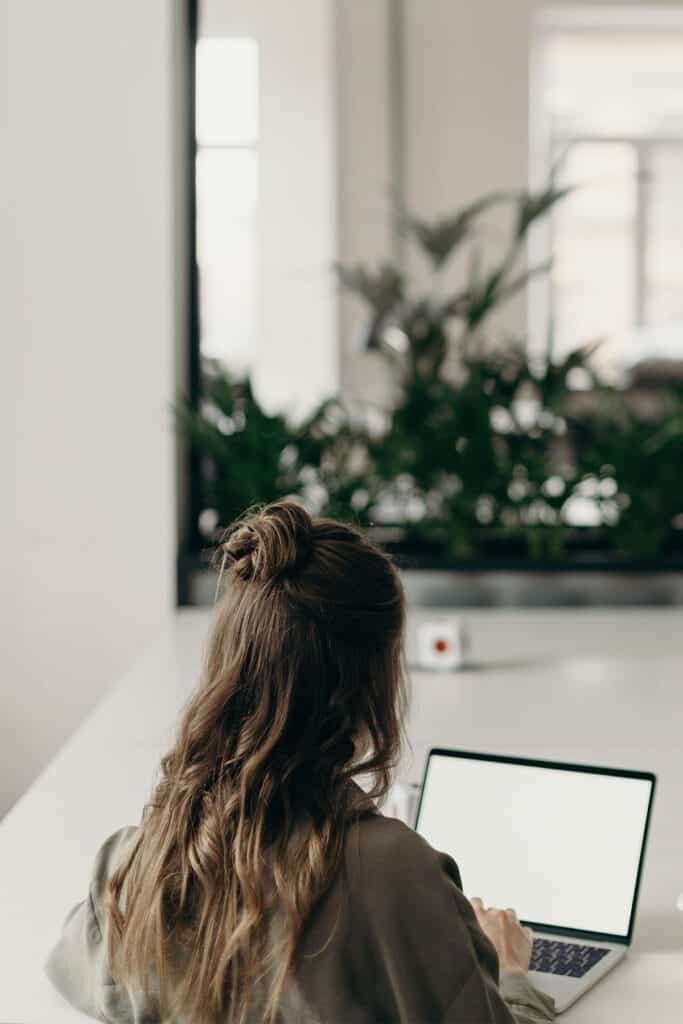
{"x": 562, "y": 847}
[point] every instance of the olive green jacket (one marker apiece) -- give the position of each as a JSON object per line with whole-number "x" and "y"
{"x": 394, "y": 939}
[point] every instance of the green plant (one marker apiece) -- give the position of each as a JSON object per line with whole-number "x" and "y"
{"x": 242, "y": 449}
{"x": 479, "y": 440}
{"x": 637, "y": 460}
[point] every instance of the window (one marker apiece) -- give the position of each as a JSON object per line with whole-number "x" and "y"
{"x": 227, "y": 125}
{"x": 266, "y": 197}
{"x": 607, "y": 115}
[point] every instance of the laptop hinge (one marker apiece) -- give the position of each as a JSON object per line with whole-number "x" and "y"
{"x": 576, "y": 933}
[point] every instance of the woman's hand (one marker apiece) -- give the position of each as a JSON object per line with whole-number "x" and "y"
{"x": 512, "y": 941}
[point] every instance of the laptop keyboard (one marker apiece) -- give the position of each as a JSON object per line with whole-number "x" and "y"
{"x": 567, "y": 958}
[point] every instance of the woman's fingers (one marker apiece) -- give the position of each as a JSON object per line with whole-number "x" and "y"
{"x": 509, "y": 912}
{"x": 512, "y": 941}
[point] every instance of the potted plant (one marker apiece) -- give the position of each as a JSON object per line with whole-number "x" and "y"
{"x": 483, "y": 456}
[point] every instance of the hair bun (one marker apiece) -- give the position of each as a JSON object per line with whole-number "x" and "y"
{"x": 271, "y": 543}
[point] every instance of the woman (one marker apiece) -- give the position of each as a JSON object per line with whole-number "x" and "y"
{"x": 262, "y": 883}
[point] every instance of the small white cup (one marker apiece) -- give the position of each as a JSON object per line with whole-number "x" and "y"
{"x": 440, "y": 644}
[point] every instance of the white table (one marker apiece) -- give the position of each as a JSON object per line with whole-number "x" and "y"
{"x": 603, "y": 687}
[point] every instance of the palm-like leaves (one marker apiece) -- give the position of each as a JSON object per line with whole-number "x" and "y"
{"x": 532, "y": 205}
{"x": 497, "y": 443}
{"x": 440, "y": 238}
{"x": 382, "y": 289}
{"x": 480, "y": 298}
{"x": 240, "y": 445}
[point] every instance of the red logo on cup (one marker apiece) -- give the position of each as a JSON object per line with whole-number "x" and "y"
{"x": 441, "y": 646}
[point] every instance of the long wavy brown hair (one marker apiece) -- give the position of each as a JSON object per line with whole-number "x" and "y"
{"x": 303, "y": 690}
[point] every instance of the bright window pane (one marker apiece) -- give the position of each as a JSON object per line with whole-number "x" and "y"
{"x": 228, "y": 305}
{"x": 611, "y": 89}
{"x": 664, "y": 253}
{"x": 227, "y": 193}
{"x": 661, "y": 335}
{"x": 614, "y": 82}
{"x": 227, "y": 92}
{"x": 594, "y": 248}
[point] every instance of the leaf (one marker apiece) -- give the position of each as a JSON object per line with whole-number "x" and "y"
{"x": 440, "y": 238}
{"x": 521, "y": 281}
{"x": 382, "y": 289}
{"x": 532, "y": 205}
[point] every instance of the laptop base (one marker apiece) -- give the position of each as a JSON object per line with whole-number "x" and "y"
{"x": 566, "y": 990}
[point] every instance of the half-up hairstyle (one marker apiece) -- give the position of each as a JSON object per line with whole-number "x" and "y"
{"x": 303, "y": 690}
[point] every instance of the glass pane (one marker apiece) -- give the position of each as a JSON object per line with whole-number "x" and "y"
{"x": 227, "y": 193}
{"x": 228, "y": 308}
{"x": 661, "y": 336}
{"x": 664, "y": 251}
{"x": 227, "y": 92}
{"x": 593, "y": 277}
{"x": 614, "y": 82}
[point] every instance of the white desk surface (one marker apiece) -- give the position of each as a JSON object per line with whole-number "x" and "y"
{"x": 582, "y": 685}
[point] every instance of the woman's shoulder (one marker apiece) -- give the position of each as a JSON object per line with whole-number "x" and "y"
{"x": 109, "y": 857}
{"x": 377, "y": 834}
{"x": 385, "y": 853}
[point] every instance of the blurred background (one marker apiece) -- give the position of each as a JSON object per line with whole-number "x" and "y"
{"x": 416, "y": 262}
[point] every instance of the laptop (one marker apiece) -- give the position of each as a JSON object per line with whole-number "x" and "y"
{"x": 563, "y": 844}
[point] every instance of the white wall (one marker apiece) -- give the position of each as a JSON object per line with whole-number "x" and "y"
{"x": 87, "y": 328}
{"x": 467, "y": 114}
{"x": 365, "y": 173}
{"x": 464, "y": 112}
{"x": 466, "y": 99}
